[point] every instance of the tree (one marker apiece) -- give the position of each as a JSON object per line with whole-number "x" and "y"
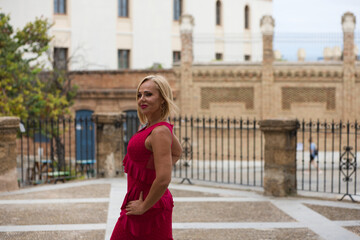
{"x": 27, "y": 89}
{"x": 24, "y": 92}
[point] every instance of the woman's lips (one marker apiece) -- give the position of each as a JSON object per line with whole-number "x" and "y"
{"x": 143, "y": 106}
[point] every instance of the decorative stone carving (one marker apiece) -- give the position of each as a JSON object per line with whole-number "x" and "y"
{"x": 348, "y": 21}
{"x": 267, "y": 24}
{"x": 186, "y": 23}
{"x": 337, "y": 53}
{"x": 277, "y": 55}
{"x": 328, "y": 54}
{"x": 301, "y": 54}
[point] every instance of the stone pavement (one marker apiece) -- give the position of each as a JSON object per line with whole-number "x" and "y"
{"x": 89, "y": 209}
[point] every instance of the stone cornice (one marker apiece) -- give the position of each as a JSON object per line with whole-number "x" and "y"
{"x": 308, "y": 74}
{"x": 128, "y": 71}
{"x": 9, "y": 123}
{"x": 107, "y": 94}
{"x": 214, "y": 75}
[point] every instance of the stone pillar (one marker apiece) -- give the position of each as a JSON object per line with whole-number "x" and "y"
{"x": 267, "y": 24}
{"x": 280, "y": 156}
{"x": 109, "y": 143}
{"x": 186, "y": 82}
{"x": 8, "y": 152}
{"x": 349, "y": 108}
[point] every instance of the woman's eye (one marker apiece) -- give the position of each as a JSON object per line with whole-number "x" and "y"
{"x": 148, "y": 94}
{"x": 139, "y": 95}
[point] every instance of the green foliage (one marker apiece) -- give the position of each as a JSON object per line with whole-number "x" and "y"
{"x": 25, "y": 90}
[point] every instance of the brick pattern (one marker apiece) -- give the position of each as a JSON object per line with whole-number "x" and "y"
{"x": 291, "y": 95}
{"x": 229, "y": 94}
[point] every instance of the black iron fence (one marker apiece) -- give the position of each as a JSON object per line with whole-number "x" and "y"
{"x": 53, "y": 150}
{"x": 220, "y": 150}
{"x": 335, "y": 149}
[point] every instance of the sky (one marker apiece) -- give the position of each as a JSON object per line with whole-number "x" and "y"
{"x": 313, "y": 15}
{"x": 311, "y": 25}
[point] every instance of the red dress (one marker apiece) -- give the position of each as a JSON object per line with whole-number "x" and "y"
{"x": 156, "y": 223}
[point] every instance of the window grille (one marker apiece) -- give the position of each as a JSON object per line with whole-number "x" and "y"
{"x": 60, "y": 6}
{"x": 218, "y": 13}
{"x": 177, "y": 9}
{"x": 60, "y": 58}
{"x": 123, "y": 10}
{"x": 123, "y": 59}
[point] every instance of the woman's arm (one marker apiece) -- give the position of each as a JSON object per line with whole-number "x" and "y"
{"x": 176, "y": 150}
{"x": 160, "y": 140}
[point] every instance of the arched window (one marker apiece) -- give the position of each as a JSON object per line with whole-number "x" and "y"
{"x": 247, "y": 17}
{"x": 218, "y": 12}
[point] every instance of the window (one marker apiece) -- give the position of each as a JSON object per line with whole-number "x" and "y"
{"x": 176, "y": 56}
{"x": 123, "y": 59}
{"x": 177, "y": 9}
{"x": 60, "y": 6}
{"x": 218, "y": 13}
{"x": 247, "y": 58}
{"x": 60, "y": 58}
{"x": 123, "y": 8}
{"x": 219, "y": 56}
{"x": 247, "y": 16}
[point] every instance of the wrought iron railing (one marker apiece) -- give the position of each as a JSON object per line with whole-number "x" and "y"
{"x": 336, "y": 166}
{"x": 220, "y": 150}
{"x": 53, "y": 150}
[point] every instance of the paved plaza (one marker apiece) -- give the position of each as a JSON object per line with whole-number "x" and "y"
{"x": 89, "y": 209}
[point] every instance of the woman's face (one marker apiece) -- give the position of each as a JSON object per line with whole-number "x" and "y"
{"x": 149, "y": 98}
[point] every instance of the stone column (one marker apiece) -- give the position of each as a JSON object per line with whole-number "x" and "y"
{"x": 8, "y": 174}
{"x": 280, "y": 156}
{"x": 348, "y": 25}
{"x": 109, "y": 143}
{"x": 186, "y": 82}
{"x": 267, "y": 24}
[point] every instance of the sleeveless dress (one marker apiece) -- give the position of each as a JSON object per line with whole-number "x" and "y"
{"x": 156, "y": 223}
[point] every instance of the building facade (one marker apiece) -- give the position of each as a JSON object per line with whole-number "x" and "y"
{"x": 137, "y": 34}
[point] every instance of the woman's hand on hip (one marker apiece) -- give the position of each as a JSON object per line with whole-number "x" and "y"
{"x": 135, "y": 207}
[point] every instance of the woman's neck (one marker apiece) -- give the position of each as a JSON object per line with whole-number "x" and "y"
{"x": 152, "y": 121}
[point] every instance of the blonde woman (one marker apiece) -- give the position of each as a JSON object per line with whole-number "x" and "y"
{"x": 146, "y": 212}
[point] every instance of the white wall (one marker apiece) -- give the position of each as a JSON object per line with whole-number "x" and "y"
{"x": 20, "y": 14}
{"x": 204, "y": 15}
{"x": 93, "y": 32}
{"x": 152, "y": 23}
{"x": 93, "y": 35}
{"x": 203, "y": 12}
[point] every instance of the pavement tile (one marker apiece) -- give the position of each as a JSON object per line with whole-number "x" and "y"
{"x": 87, "y": 191}
{"x": 184, "y": 193}
{"x": 228, "y": 212}
{"x": 354, "y": 229}
{"x": 244, "y": 234}
{"x": 66, "y": 213}
{"x": 336, "y": 213}
{"x": 68, "y": 235}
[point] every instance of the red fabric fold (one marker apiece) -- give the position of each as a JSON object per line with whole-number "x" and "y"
{"x": 156, "y": 222}
{"x": 136, "y": 171}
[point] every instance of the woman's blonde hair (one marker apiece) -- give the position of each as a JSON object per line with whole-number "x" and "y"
{"x": 168, "y": 108}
